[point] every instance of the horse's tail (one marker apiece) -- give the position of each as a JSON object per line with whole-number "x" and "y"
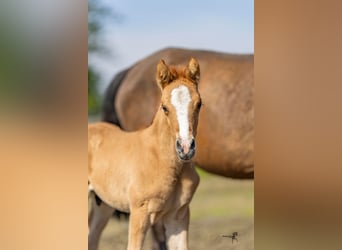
{"x": 108, "y": 109}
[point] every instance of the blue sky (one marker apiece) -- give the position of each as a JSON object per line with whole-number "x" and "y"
{"x": 147, "y": 26}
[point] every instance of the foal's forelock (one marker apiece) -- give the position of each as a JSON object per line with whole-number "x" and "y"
{"x": 180, "y": 99}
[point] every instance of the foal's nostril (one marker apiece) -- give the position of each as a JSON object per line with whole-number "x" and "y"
{"x": 178, "y": 145}
{"x": 193, "y": 144}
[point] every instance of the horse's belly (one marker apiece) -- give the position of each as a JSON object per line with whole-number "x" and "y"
{"x": 109, "y": 180}
{"x": 113, "y": 195}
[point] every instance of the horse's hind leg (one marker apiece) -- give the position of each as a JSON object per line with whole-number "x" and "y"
{"x": 97, "y": 220}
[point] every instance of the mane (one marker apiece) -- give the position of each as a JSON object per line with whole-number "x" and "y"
{"x": 177, "y": 72}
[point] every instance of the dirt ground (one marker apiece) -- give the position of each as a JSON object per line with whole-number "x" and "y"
{"x": 220, "y": 206}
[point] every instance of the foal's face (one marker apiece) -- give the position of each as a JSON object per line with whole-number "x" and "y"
{"x": 181, "y": 104}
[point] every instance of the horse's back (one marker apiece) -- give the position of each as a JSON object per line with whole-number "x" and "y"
{"x": 98, "y": 132}
{"x": 102, "y": 138}
{"x": 102, "y": 128}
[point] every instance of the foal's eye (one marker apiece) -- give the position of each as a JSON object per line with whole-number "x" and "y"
{"x": 199, "y": 105}
{"x": 164, "y": 108}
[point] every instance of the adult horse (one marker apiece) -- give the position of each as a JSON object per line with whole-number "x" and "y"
{"x": 226, "y": 128}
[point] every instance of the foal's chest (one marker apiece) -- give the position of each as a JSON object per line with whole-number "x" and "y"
{"x": 180, "y": 194}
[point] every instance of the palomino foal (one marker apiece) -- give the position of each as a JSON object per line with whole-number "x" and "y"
{"x": 149, "y": 173}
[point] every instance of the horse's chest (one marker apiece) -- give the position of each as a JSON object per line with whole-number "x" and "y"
{"x": 159, "y": 208}
{"x": 181, "y": 196}
{"x": 177, "y": 197}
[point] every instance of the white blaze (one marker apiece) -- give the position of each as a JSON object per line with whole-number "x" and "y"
{"x": 180, "y": 99}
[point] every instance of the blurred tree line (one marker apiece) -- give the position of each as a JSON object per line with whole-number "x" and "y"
{"x": 98, "y": 13}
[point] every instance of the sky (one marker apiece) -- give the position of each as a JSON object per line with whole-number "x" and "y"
{"x": 147, "y": 26}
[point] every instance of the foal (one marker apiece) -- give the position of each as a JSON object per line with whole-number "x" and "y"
{"x": 149, "y": 173}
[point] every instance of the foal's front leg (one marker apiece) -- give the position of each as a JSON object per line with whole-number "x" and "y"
{"x": 176, "y": 229}
{"x": 177, "y": 221}
{"x": 139, "y": 222}
{"x": 158, "y": 236}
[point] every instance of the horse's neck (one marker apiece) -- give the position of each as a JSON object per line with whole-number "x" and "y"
{"x": 164, "y": 141}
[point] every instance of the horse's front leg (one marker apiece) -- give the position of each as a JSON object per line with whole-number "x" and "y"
{"x": 139, "y": 222}
{"x": 176, "y": 229}
{"x": 158, "y": 236}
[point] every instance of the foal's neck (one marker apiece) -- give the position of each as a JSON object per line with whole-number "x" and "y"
{"x": 164, "y": 141}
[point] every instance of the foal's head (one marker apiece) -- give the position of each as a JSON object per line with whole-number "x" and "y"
{"x": 181, "y": 103}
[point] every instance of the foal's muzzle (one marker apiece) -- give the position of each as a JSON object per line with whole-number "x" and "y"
{"x": 185, "y": 148}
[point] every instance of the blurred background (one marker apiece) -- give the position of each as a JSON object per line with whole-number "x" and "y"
{"x": 43, "y": 96}
{"x": 123, "y": 32}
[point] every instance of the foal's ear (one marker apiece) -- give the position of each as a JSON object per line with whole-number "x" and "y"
{"x": 164, "y": 76}
{"x": 192, "y": 71}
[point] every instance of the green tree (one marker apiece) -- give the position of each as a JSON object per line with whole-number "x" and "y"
{"x": 98, "y": 13}
{"x": 93, "y": 94}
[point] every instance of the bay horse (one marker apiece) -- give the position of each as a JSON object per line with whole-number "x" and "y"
{"x": 226, "y": 129}
{"x": 149, "y": 172}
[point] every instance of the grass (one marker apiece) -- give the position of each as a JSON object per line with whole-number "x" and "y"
{"x": 218, "y": 196}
